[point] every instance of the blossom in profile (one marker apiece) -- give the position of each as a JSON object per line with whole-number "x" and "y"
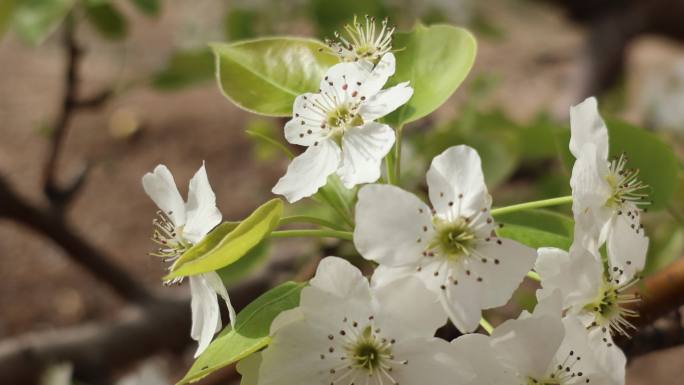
{"x": 536, "y": 349}
{"x": 363, "y": 41}
{"x": 346, "y": 331}
{"x": 337, "y": 125}
{"x": 178, "y": 227}
{"x": 451, "y": 247}
{"x": 607, "y": 195}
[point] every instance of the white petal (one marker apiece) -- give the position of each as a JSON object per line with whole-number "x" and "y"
{"x": 215, "y": 283}
{"x": 363, "y": 148}
{"x": 528, "y": 345}
{"x": 578, "y": 341}
{"x": 456, "y": 183}
{"x": 429, "y": 362}
{"x": 345, "y": 81}
{"x": 393, "y": 226}
{"x": 392, "y": 300}
{"x": 337, "y": 290}
{"x": 476, "y": 351}
{"x": 626, "y": 244}
{"x": 587, "y": 126}
{"x": 340, "y": 278}
{"x": 305, "y": 128}
{"x": 500, "y": 280}
{"x": 206, "y": 316}
{"x": 611, "y": 360}
{"x": 385, "y": 101}
{"x": 285, "y": 318}
{"x": 461, "y": 301}
{"x": 309, "y": 171}
{"x": 202, "y": 213}
{"x": 590, "y": 191}
{"x": 161, "y": 187}
{"x": 378, "y": 77}
{"x": 248, "y": 368}
{"x": 293, "y": 357}
{"x": 577, "y": 276}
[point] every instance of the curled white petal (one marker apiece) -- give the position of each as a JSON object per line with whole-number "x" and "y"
{"x": 202, "y": 213}
{"x": 587, "y": 126}
{"x": 386, "y": 101}
{"x": 363, "y": 148}
{"x": 161, "y": 187}
{"x": 309, "y": 171}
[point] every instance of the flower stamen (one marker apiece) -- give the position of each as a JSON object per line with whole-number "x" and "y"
{"x": 363, "y": 41}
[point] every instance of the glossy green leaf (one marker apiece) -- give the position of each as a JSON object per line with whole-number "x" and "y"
{"x": 225, "y": 246}
{"x": 185, "y": 68}
{"x": 250, "y": 334}
{"x": 246, "y": 265}
{"x": 435, "y": 59}
{"x": 265, "y": 75}
{"x": 657, "y": 164}
{"x": 533, "y": 237}
{"x": 35, "y": 20}
{"x": 537, "y": 228}
{"x": 148, "y": 7}
{"x": 106, "y": 19}
{"x": 6, "y": 12}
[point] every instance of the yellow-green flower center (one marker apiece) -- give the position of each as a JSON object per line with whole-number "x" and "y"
{"x": 453, "y": 239}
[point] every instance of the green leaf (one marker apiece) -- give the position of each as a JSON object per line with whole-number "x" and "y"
{"x": 35, "y": 20}
{"x": 537, "y": 228}
{"x": 657, "y": 164}
{"x": 6, "y": 12}
{"x": 250, "y": 334}
{"x": 265, "y": 75}
{"x": 534, "y": 238}
{"x": 148, "y": 7}
{"x": 246, "y": 265}
{"x": 651, "y": 155}
{"x": 185, "y": 68}
{"x": 106, "y": 19}
{"x": 225, "y": 246}
{"x": 436, "y": 60}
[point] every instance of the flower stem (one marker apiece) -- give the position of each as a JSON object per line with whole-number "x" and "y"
{"x": 533, "y": 205}
{"x": 346, "y": 235}
{"x": 308, "y": 219}
{"x": 534, "y": 275}
{"x": 486, "y": 325}
{"x": 397, "y": 154}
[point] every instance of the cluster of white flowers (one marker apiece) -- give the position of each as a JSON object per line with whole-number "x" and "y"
{"x": 434, "y": 264}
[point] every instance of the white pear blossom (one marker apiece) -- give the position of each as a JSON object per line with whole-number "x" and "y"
{"x": 535, "y": 349}
{"x": 596, "y": 296}
{"x": 364, "y": 42}
{"x": 452, "y": 248}
{"x": 606, "y": 194}
{"x": 337, "y": 125}
{"x": 179, "y": 226}
{"x": 346, "y": 331}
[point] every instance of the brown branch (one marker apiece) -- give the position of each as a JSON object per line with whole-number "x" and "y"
{"x": 665, "y": 333}
{"x": 47, "y": 223}
{"x": 101, "y": 351}
{"x": 60, "y": 197}
{"x": 661, "y": 293}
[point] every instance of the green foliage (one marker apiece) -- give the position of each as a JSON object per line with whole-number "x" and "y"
{"x": 185, "y": 68}
{"x": 240, "y": 24}
{"x": 251, "y": 331}
{"x": 35, "y": 20}
{"x": 106, "y": 18}
{"x": 148, "y": 7}
{"x": 246, "y": 265}
{"x": 435, "y": 59}
{"x": 537, "y": 228}
{"x": 6, "y": 12}
{"x": 227, "y": 244}
{"x": 265, "y": 75}
{"x": 647, "y": 152}
{"x": 267, "y": 143}
{"x": 331, "y": 15}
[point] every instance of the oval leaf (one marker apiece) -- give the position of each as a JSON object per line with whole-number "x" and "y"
{"x": 225, "y": 246}
{"x": 537, "y": 228}
{"x": 106, "y": 18}
{"x": 250, "y": 334}
{"x": 436, "y": 60}
{"x": 265, "y": 75}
